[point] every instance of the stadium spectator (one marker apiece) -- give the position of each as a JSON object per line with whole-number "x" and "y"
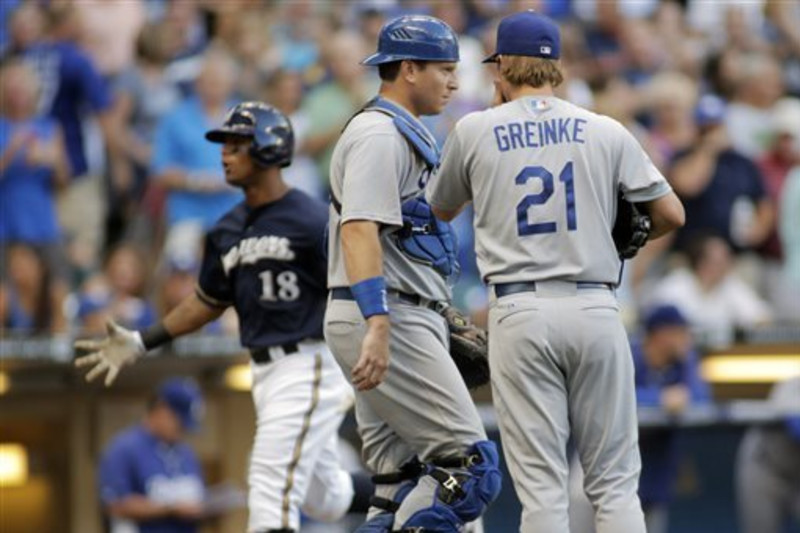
{"x": 118, "y": 293}
{"x": 255, "y": 52}
{"x": 143, "y": 95}
{"x": 284, "y": 90}
{"x": 29, "y": 303}
{"x": 75, "y": 95}
{"x": 782, "y": 156}
{"x": 784, "y": 35}
{"x": 670, "y": 98}
{"x": 331, "y": 104}
{"x": 749, "y": 117}
{"x": 26, "y": 26}
{"x": 33, "y": 165}
{"x": 710, "y": 294}
{"x": 721, "y": 189}
{"x": 644, "y": 51}
{"x": 724, "y": 22}
{"x": 667, "y": 376}
{"x": 110, "y": 30}
{"x": 182, "y": 164}
{"x": 295, "y": 31}
{"x": 149, "y": 479}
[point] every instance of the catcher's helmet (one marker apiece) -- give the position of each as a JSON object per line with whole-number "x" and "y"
{"x": 416, "y": 37}
{"x": 271, "y": 131}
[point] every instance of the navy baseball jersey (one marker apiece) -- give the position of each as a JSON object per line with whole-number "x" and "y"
{"x": 137, "y": 463}
{"x": 268, "y": 262}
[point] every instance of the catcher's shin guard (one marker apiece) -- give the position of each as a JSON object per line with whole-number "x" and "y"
{"x": 452, "y": 492}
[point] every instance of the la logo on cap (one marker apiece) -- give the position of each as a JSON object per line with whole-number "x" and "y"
{"x": 545, "y": 50}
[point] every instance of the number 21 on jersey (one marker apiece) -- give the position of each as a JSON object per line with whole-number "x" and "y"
{"x": 524, "y": 226}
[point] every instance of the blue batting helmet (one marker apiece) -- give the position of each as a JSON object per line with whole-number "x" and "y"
{"x": 271, "y": 131}
{"x": 416, "y": 37}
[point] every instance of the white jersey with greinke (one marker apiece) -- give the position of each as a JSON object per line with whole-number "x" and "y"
{"x": 549, "y": 211}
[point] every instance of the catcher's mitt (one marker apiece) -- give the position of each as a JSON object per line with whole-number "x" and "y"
{"x": 631, "y": 228}
{"x": 469, "y": 346}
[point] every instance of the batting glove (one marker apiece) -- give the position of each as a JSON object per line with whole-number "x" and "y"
{"x": 121, "y": 347}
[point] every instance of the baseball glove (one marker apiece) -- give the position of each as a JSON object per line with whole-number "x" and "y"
{"x": 631, "y": 228}
{"x": 469, "y": 347}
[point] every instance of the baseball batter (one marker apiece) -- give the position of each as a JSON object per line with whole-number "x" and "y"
{"x": 421, "y": 432}
{"x": 266, "y": 258}
{"x": 543, "y": 175}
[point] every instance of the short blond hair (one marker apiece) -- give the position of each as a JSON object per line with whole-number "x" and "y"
{"x": 533, "y": 71}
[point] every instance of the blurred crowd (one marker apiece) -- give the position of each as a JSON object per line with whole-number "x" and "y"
{"x": 107, "y": 184}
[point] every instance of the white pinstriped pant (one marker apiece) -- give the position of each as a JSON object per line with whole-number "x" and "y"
{"x": 300, "y": 401}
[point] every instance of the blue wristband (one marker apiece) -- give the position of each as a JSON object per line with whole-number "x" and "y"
{"x": 370, "y": 295}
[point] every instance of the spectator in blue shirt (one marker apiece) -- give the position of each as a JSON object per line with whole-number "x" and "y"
{"x": 33, "y": 164}
{"x": 182, "y": 163}
{"x": 150, "y": 481}
{"x": 75, "y": 95}
{"x": 667, "y": 377}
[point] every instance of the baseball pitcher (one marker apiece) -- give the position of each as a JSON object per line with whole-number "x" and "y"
{"x": 544, "y": 177}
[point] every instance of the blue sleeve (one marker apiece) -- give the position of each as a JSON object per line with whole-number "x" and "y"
{"x": 648, "y": 395}
{"x": 191, "y": 459}
{"x": 699, "y": 390}
{"x": 164, "y": 146}
{"x": 91, "y": 84}
{"x": 115, "y": 475}
{"x": 213, "y": 285}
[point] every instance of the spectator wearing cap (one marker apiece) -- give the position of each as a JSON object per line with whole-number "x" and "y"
{"x": 666, "y": 377}
{"x": 721, "y": 189}
{"x": 150, "y": 480}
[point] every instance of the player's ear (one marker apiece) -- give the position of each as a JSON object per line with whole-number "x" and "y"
{"x": 409, "y": 70}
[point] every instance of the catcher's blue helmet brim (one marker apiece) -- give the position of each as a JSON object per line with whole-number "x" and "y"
{"x": 379, "y": 58}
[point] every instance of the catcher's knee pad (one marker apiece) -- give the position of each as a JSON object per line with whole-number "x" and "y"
{"x": 483, "y": 487}
{"x": 453, "y": 492}
{"x": 406, "y": 479}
